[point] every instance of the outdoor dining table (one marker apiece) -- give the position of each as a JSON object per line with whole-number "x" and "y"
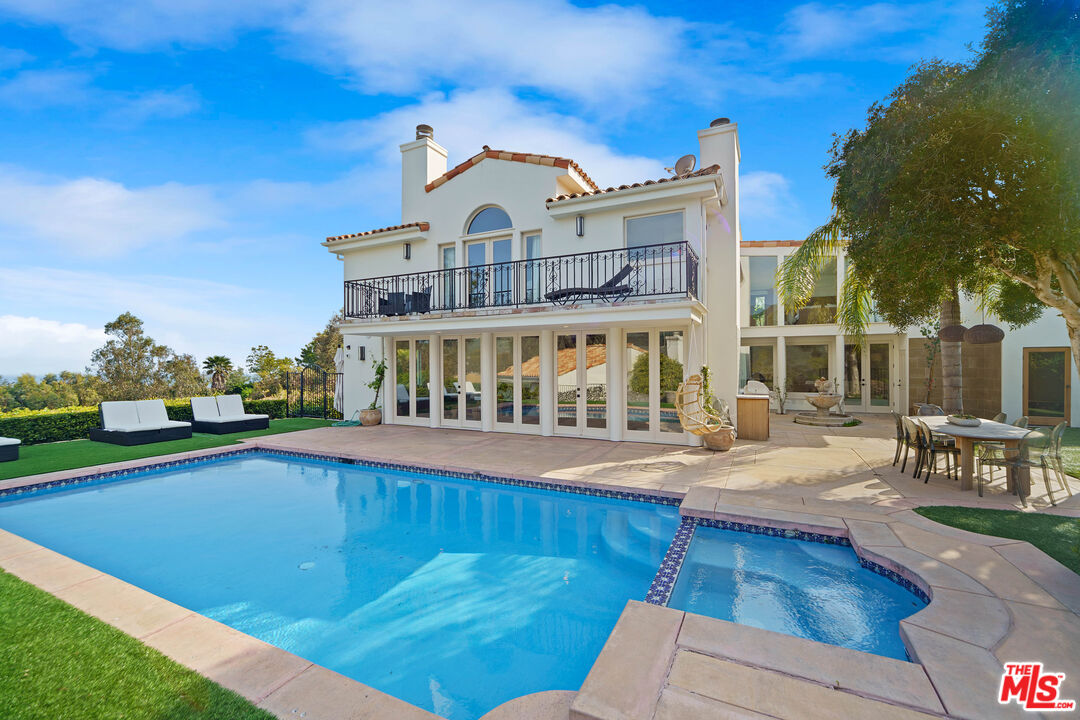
{"x": 985, "y": 431}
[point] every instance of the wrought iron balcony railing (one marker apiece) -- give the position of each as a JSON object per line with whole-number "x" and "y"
{"x": 650, "y": 271}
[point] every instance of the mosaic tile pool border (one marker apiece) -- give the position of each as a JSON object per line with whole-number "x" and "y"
{"x": 418, "y": 469}
{"x": 660, "y": 591}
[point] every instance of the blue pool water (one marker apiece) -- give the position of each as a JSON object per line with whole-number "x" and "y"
{"x": 454, "y": 595}
{"x": 801, "y": 588}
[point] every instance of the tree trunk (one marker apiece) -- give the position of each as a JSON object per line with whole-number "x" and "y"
{"x": 952, "y": 372}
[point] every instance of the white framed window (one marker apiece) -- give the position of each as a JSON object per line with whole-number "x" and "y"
{"x": 654, "y": 229}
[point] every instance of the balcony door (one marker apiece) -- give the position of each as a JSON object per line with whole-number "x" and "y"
{"x": 490, "y": 272}
{"x": 581, "y": 384}
{"x": 461, "y": 383}
{"x": 1047, "y": 385}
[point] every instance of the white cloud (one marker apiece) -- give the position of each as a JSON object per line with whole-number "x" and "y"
{"x": 31, "y": 344}
{"x": 465, "y": 121}
{"x": 146, "y": 24}
{"x": 98, "y": 217}
{"x": 768, "y": 209}
{"x": 887, "y": 31}
{"x": 32, "y": 90}
{"x": 414, "y": 45}
{"x": 188, "y": 314}
{"x": 36, "y": 89}
{"x": 13, "y": 57}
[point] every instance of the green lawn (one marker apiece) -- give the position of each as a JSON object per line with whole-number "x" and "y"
{"x": 57, "y": 662}
{"x": 1058, "y": 537}
{"x": 1070, "y": 451}
{"x": 48, "y": 457}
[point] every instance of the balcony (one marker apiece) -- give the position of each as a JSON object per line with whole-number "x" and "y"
{"x": 667, "y": 270}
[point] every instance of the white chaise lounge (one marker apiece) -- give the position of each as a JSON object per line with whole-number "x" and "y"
{"x": 224, "y": 414}
{"x": 137, "y": 422}
{"x": 9, "y": 448}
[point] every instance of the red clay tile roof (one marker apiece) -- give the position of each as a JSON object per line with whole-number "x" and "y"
{"x": 486, "y": 153}
{"x": 422, "y": 225}
{"x": 711, "y": 170}
{"x": 772, "y": 243}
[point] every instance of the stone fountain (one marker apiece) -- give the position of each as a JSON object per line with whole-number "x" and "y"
{"x": 824, "y": 401}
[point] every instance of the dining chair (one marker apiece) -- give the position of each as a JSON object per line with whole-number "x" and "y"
{"x": 1014, "y": 460}
{"x": 1050, "y": 459}
{"x": 934, "y": 447}
{"x": 930, "y": 409}
{"x": 1000, "y": 418}
{"x": 912, "y": 440}
{"x": 901, "y": 437}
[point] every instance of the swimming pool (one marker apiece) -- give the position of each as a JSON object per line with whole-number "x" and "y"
{"x": 455, "y": 595}
{"x": 815, "y": 590}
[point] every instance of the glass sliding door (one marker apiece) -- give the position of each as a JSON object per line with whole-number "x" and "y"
{"x": 422, "y": 378}
{"x": 566, "y": 381}
{"x": 471, "y": 387}
{"x": 403, "y": 381}
{"x": 879, "y": 361}
{"x": 638, "y": 381}
{"x": 450, "y": 380}
{"x": 505, "y": 381}
{"x": 530, "y": 380}
{"x": 853, "y": 376}
{"x": 671, "y": 373}
{"x": 596, "y": 382}
{"x": 655, "y": 363}
{"x": 867, "y": 376}
{"x": 1047, "y": 385}
{"x": 502, "y": 273}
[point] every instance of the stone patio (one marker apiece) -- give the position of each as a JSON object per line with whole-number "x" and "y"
{"x": 993, "y": 600}
{"x": 798, "y": 464}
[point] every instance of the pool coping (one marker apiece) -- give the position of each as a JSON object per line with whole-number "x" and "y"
{"x": 952, "y": 647}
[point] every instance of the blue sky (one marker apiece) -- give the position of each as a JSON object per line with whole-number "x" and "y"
{"x": 182, "y": 159}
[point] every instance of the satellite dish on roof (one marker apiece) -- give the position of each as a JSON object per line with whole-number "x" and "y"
{"x": 685, "y": 165}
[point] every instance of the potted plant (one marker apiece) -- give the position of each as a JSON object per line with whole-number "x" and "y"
{"x": 373, "y": 415}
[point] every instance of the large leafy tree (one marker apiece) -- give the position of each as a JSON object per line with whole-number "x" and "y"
{"x": 271, "y": 370}
{"x": 131, "y": 366}
{"x": 966, "y": 181}
{"x": 320, "y": 351}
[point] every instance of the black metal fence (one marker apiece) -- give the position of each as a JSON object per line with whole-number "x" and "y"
{"x": 666, "y": 269}
{"x": 313, "y": 392}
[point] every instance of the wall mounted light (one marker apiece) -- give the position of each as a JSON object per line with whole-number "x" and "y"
{"x": 406, "y": 251}
{"x": 580, "y": 225}
{"x": 363, "y": 354}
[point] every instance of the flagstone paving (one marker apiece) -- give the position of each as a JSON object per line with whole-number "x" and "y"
{"x": 993, "y": 600}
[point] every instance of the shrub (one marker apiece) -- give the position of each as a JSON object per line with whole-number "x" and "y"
{"x": 73, "y": 423}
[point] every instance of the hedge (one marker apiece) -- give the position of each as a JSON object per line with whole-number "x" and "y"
{"x": 73, "y": 423}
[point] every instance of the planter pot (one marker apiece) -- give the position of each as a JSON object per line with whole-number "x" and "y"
{"x": 370, "y": 417}
{"x": 721, "y": 440}
{"x": 963, "y": 422}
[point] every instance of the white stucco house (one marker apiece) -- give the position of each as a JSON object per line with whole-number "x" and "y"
{"x": 516, "y": 295}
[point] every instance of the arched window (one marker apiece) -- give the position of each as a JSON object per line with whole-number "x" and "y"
{"x": 488, "y": 219}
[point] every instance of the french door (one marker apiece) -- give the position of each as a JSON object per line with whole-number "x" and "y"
{"x": 581, "y": 384}
{"x": 460, "y": 401}
{"x": 517, "y": 383}
{"x": 654, "y": 362}
{"x": 1047, "y": 385}
{"x": 412, "y": 387}
{"x": 868, "y": 377}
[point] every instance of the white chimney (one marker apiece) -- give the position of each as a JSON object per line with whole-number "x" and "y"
{"x": 422, "y": 160}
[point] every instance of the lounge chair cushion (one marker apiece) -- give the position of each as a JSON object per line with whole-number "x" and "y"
{"x": 205, "y": 409}
{"x": 153, "y": 416}
{"x": 119, "y": 414}
{"x": 230, "y": 405}
{"x": 10, "y": 441}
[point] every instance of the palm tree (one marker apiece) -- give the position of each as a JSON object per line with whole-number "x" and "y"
{"x": 798, "y": 272}
{"x": 218, "y": 368}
